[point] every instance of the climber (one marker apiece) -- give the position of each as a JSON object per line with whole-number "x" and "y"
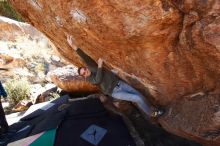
{"x": 110, "y": 84}
{"x": 3, "y": 122}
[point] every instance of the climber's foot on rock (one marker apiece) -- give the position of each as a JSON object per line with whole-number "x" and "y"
{"x": 158, "y": 113}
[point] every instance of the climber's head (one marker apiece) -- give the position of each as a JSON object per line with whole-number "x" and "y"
{"x": 84, "y": 71}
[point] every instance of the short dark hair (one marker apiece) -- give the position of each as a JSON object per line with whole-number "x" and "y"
{"x": 80, "y": 69}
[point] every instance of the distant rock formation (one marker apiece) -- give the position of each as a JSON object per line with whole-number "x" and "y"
{"x": 167, "y": 49}
{"x": 25, "y": 51}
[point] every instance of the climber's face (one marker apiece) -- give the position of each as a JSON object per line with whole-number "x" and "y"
{"x": 85, "y": 72}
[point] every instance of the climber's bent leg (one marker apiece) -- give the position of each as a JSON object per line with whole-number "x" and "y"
{"x": 125, "y": 92}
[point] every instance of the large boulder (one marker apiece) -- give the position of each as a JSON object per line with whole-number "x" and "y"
{"x": 68, "y": 80}
{"x": 169, "y": 50}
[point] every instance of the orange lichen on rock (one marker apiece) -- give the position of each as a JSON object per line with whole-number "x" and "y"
{"x": 68, "y": 80}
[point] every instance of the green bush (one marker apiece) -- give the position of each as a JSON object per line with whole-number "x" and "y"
{"x": 17, "y": 90}
{"x": 40, "y": 67}
{"x": 7, "y": 11}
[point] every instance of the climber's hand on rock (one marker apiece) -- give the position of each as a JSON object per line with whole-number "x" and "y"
{"x": 100, "y": 62}
{"x": 70, "y": 42}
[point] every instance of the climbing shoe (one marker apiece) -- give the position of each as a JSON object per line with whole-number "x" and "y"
{"x": 157, "y": 113}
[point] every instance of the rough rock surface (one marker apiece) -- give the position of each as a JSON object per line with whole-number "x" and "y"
{"x": 68, "y": 79}
{"x": 7, "y": 61}
{"x": 11, "y": 30}
{"x": 168, "y": 49}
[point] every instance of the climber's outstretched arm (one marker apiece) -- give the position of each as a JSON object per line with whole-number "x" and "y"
{"x": 92, "y": 65}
